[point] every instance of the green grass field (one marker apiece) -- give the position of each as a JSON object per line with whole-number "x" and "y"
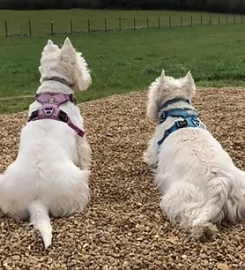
{"x": 128, "y": 60}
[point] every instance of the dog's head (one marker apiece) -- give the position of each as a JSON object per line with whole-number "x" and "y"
{"x": 165, "y": 88}
{"x": 66, "y": 64}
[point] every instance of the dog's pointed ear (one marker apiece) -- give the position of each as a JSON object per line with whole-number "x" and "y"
{"x": 162, "y": 77}
{"x": 191, "y": 87}
{"x": 188, "y": 76}
{"x": 67, "y": 46}
{"x": 50, "y": 42}
{"x": 152, "y": 107}
{"x": 67, "y": 42}
{"x": 50, "y": 47}
{"x": 152, "y": 110}
{"x": 189, "y": 79}
{"x": 82, "y": 73}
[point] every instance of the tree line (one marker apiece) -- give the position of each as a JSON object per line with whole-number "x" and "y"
{"x": 224, "y": 6}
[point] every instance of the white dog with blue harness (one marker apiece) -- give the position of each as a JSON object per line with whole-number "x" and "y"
{"x": 199, "y": 182}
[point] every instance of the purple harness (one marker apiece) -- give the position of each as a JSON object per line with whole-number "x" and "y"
{"x": 50, "y": 109}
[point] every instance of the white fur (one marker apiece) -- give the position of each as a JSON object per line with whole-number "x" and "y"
{"x": 50, "y": 174}
{"x": 200, "y": 184}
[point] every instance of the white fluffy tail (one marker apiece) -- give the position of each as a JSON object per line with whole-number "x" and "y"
{"x": 39, "y": 218}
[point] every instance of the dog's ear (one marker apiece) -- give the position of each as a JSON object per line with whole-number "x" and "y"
{"x": 80, "y": 72}
{"x": 190, "y": 85}
{"x": 82, "y": 75}
{"x": 162, "y": 77}
{"x": 50, "y": 47}
{"x": 68, "y": 48}
{"x": 190, "y": 81}
{"x": 152, "y": 107}
{"x": 68, "y": 52}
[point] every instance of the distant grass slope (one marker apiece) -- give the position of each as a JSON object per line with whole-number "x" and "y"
{"x": 126, "y": 61}
{"x": 40, "y": 20}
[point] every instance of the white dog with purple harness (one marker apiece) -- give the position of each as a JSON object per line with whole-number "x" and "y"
{"x": 50, "y": 175}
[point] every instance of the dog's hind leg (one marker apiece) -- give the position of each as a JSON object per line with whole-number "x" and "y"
{"x": 39, "y": 218}
{"x": 235, "y": 206}
{"x": 84, "y": 153}
{"x": 218, "y": 190}
{"x": 182, "y": 202}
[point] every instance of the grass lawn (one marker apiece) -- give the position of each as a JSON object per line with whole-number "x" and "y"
{"x": 17, "y": 21}
{"x": 128, "y": 60}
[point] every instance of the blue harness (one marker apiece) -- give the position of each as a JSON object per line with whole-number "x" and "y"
{"x": 190, "y": 118}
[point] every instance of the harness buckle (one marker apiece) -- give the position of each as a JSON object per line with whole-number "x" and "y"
{"x": 163, "y": 116}
{"x": 33, "y": 116}
{"x": 63, "y": 116}
{"x": 48, "y": 111}
{"x": 73, "y": 99}
{"x": 196, "y": 122}
{"x": 181, "y": 123}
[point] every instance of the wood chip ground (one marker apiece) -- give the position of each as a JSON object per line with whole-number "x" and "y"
{"x": 123, "y": 227}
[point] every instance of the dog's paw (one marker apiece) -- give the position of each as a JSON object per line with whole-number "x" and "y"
{"x": 203, "y": 232}
{"x": 145, "y": 159}
{"x": 152, "y": 165}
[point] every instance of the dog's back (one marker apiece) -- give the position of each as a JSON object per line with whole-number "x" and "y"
{"x": 199, "y": 182}
{"x": 46, "y": 178}
{"x": 45, "y": 166}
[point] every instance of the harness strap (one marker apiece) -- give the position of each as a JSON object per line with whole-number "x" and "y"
{"x": 65, "y": 118}
{"x": 50, "y": 109}
{"x": 50, "y": 113}
{"x": 190, "y": 118}
{"x": 193, "y": 122}
{"x": 53, "y": 98}
{"x": 184, "y": 112}
{"x": 77, "y": 130}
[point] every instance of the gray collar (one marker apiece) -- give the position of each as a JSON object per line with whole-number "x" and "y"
{"x": 61, "y": 80}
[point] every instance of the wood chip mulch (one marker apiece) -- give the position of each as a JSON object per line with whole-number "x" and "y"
{"x": 123, "y": 226}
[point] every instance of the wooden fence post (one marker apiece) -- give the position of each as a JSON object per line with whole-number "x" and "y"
{"x": 201, "y": 20}
{"x": 134, "y": 24}
{"x": 210, "y": 22}
{"x": 105, "y": 25}
{"x": 6, "y": 29}
{"x": 71, "y": 26}
{"x": 147, "y": 23}
{"x": 29, "y": 26}
{"x": 52, "y": 27}
{"x": 226, "y": 19}
{"x": 181, "y": 21}
{"x": 120, "y": 24}
{"x": 169, "y": 22}
{"x": 89, "y": 28}
{"x": 159, "y": 22}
